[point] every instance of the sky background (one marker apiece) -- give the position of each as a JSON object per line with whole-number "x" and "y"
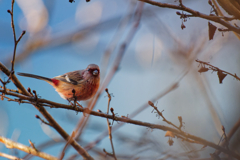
{"x": 158, "y": 55}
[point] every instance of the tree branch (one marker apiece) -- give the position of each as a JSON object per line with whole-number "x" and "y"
{"x": 110, "y": 127}
{"x": 11, "y": 144}
{"x": 127, "y": 120}
{"x": 9, "y": 156}
{"x": 194, "y": 13}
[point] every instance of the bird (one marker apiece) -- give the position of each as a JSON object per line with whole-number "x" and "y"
{"x": 77, "y": 85}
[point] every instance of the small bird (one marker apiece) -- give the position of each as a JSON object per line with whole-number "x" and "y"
{"x": 84, "y": 82}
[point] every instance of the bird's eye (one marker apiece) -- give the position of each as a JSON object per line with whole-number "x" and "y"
{"x": 95, "y": 72}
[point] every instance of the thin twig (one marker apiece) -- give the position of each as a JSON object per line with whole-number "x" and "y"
{"x": 66, "y": 145}
{"x": 229, "y": 135}
{"x": 213, "y": 68}
{"x": 109, "y": 127}
{"x": 160, "y": 114}
{"x": 38, "y": 117}
{"x": 14, "y": 35}
{"x": 9, "y": 156}
{"x": 194, "y": 13}
{"x": 11, "y": 90}
{"x": 11, "y": 144}
{"x": 33, "y": 146}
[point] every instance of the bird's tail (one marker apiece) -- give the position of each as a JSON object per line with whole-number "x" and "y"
{"x": 35, "y": 76}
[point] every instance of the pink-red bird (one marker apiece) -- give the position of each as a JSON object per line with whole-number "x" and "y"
{"x": 84, "y": 82}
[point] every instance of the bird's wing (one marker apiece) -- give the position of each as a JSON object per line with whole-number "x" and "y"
{"x": 74, "y": 77}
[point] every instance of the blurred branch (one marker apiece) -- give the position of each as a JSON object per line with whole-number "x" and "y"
{"x": 39, "y": 42}
{"x": 115, "y": 40}
{"x": 114, "y": 68}
{"x": 161, "y": 115}
{"x": 11, "y": 144}
{"x": 66, "y": 145}
{"x": 195, "y": 14}
{"x": 221, "y": 14}
{"x": 110, "y": 127}
{"x": 229, "y": 135}
{"x": 221, "y": 73}
{"x": 128, "y": 120}
{"x": 9, "y": 156}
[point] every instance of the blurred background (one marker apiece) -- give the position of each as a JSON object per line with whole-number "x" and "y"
{"x": 62, "y": 37}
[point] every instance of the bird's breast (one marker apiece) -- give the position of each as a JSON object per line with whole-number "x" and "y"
{"x": 83, "y": 91}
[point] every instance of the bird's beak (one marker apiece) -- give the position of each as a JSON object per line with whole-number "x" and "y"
{"x": 95, "y": 72}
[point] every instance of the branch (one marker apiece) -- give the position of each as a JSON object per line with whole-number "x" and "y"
{"x": 9, "y": 156}
{"x": 14, "y": 35}
{"x": 229, "y": 135}
{"x": 161, "y": 115}
{"x": 110, "y": 127}
{"x": 221, "y": 73}
{"x": 126, "y": 120}
{"x": 194, "y": 13}
{"x": 11, "y": 144}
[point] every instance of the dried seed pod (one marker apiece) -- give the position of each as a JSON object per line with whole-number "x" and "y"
{"x": 221, "y": 76}
{"x": 170, "y": 141}
{"x": 203, "y": 69}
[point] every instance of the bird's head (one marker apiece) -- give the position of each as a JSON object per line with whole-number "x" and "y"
{"x": 92, "y": 73}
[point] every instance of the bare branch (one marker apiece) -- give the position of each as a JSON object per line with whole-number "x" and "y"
{"x": 194, "y": 13}
{"x": 9, "y": 156}
{"x": 110, "y": 127}
{"x": 14, "y": 36}
{"x": 215, "y": 69}
{"x": 229, "y": 135}
{"x": 161, "y": 115}
{"x": 11, "y": 144}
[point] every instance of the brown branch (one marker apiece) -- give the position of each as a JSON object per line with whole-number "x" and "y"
{"x": 11, "y": 144}
{"x": 161, "y": 115}
{"x": 38, "y": 117}
{"x": 66, "y": 145}
{"x": 33, "y": 146}
{"x": 11, "y": 90}
{"x": 109, "y": 127}
{"x": 128, "y": 120}
{"x": 225, "y": 137}
{"x": 194, "y": 13}
{"x": 213, "y": 68}
{"x": 229, "y": 135}
{"x": 14, "y": 35}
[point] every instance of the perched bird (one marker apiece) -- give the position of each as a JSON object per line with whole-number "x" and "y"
{"x": 84, "y": 82}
